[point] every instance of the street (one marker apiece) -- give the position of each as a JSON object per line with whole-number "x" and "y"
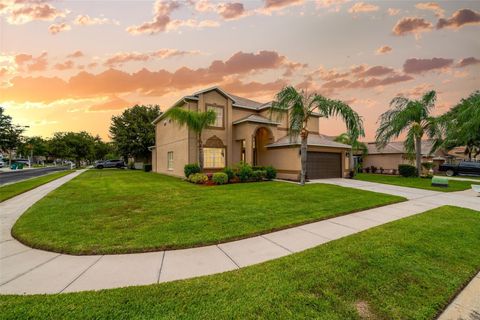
{"x": 18, "y": 175}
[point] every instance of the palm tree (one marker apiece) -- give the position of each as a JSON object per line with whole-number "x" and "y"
{"x": 462, "y": 126}
{"x": 300, "y": 106}
{"x": 357, "y": 146}
{"x": 413, "y": 118}
{"x": 196, "y": 121}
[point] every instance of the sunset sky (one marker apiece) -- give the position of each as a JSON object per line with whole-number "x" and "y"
{"x": 71, "y": 65}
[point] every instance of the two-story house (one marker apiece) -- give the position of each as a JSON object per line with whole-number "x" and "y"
{"x": 243, "y": 131}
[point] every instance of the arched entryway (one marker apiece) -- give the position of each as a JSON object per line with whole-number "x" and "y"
{"x": 262, "y": 137}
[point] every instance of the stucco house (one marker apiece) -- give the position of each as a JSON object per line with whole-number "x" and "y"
{"x": 243, "y": 131}
{"x": 394, "y": 154}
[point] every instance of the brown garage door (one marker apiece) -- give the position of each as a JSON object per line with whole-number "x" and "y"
{"x": 322, "y": 165}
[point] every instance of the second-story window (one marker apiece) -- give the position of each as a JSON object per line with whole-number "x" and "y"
{"x": 219, "y": 112}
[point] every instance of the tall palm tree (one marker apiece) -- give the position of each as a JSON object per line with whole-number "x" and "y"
{"x": 196, "y": 121}
{"x": 357, "y": 146}
{"x": 300, "y": 106}
{"x": 412, "y": 117}
{"x": 462, "y": 126}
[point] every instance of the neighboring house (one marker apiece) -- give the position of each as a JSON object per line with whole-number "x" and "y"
{"x": 243, "y": 131}
{"x": 394, "y": 154}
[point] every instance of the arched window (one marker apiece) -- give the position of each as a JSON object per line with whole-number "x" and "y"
{"x": 214, "y": 153}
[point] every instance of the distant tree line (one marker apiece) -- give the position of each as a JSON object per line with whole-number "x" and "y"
{"x": 132, "y": 133}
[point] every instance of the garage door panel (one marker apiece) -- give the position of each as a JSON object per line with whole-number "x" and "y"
{"x": 322, "y": 165}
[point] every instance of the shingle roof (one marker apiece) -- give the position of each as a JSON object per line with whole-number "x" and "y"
{"x": 397, "y": 147}
{"x": 257, "y": 119}
{"x": 318, "y": 140}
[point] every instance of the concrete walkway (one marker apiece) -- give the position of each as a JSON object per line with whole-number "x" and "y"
{"x": 466, "y": 306}
{"x": 24, "y": 270}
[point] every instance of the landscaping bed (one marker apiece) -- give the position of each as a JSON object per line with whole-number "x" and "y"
{"x": 11, "y": 190}
{"x": 414, "y": 182}
{"x": 408, "y": 269}
{"x": 121, "y": 211}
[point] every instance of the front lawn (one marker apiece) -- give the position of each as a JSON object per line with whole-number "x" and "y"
{"x": 120, "y": 211}
{"x": 413, "y": 182}
{"x": 11, "y": 190}
{"x": 407, "y": 269}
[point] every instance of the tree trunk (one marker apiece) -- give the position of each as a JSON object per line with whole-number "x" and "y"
{"x": 200, "y": 151}
{"x": 418, "y": 149}
{"x": 303, "y": 156}
{"x": 351, "y": 161}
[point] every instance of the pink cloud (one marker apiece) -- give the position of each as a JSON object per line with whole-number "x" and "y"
{"x": 432, "y": 6}
{"x": 274, "y": 5}
{"x": 76, "y": 54}
{"x": 30, "y": 63}
{"x": 230, "y": 11}
{"x": 21, "y": 12}
{"x": 411, "y": 25}
{"x": 375, "y": 71}
{"x": 360, "y": 7}
{"x": 459, "y": 19}
{"x": 384, "y": 50}
{"x": 67, "y": 65}
{"x": 59, "y": 27}
{"x": 467, "y": 62}
{"x": 152, "y": 83}
{"x": 86, "y": 20}
{"x": 393, "y": 11}
{"x": 423, "y": 65}
{"x": 161, "y": 18}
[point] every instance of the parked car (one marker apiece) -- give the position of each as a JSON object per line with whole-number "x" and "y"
{"x": 2, "y": 164}
{"x": 110, "y": 164}
{"x": 464, "y": 167}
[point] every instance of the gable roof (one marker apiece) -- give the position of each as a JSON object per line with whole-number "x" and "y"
{"x": 314, "y": 140}
{"x": 255, "y": 118}
{"x": 237, "y": 101}
{"x": 396, "y": 147}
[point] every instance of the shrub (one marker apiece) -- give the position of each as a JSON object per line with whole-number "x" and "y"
{"x": 220, "y": 178}
{"x": 428, "y": 165}
{"x": 381, "y": 170}
{"x": 244, "y": 171}
{"x": 229, "y": 172}
{"x": 198, "y": 178}
{"x": 270, "y": 173}
{"x": 147, "y": 167}
{"x": 407, "y": 170}
{"x": 191, "y": 169}
{"x": 367, "y": 169}
{"x": 259, "y": 175}
{"x": 394, "y": 171}
{"x": 374, "y": 169}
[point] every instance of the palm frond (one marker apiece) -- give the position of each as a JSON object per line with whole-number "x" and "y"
{"x": 332, "y": 108}
{"x": 194, "y": 120}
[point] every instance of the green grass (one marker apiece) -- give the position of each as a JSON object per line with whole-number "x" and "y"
{"x": 407, "y": 269}
{"x": 120, "y": 211}
{"x": 14, "y": 189}
{"x": 414, "y": 182}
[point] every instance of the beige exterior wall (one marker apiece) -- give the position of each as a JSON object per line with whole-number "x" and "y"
{"x": 385, "y": 161}
{"x": 171, "y": 137}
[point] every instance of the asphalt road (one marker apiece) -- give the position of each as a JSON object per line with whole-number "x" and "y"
{"x": 18, "y": 175}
